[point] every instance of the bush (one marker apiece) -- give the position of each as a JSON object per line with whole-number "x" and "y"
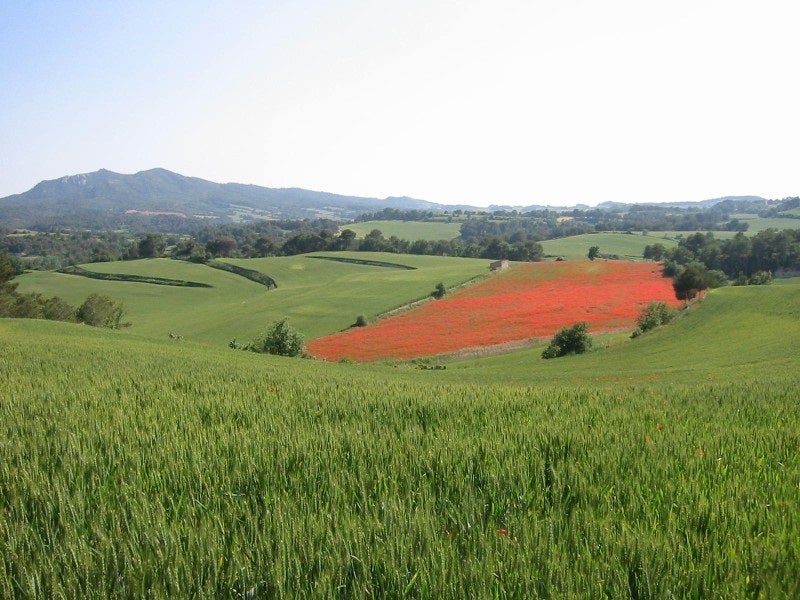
{"x": 760, "y": 278}
{"x": 361, "y": 321}
{"x": 101, "y": 311}
{"x": 652, "y": 316}
{"x": 280, "y": 339}
{"x": 569, "y": 340}
{"x": 439, "y": 292}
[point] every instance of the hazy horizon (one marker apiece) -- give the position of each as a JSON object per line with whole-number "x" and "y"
{"x": 505, "y": 102}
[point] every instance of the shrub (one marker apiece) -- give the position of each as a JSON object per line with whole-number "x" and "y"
{"x": 280, "y": 339}
{"x": 440, "y": 291}
{"x": 361, "y": 321}
{"x": 760, "y": 278}
{"x": 653, "y": 315}
{"x": 101, "y": 311}
{"x": 569, "y": 340}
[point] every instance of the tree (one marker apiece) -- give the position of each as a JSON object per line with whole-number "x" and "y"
{"x": 101, "y": 311}
{"x": 439, "y": 292}
{"x": 569, "y": 340}
{"x": 221, "y": 246}
{"x": 346, "y": 239}
{"x": 8, "y": 269}
{"x": 56, "y": 309}
{"x": 696, "y": 278}
{"x": 654, "y": 252}
{"x": 280, "y": 339}
{"x": 594, "y": 251}
{"x": 151, "y": 246}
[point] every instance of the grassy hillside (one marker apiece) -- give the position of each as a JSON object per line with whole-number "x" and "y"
{"x": 624, "y": 245}
{"x": 663, "y": 467}
{"x": 319, "y": 296}
{"x": 409, "y": 230}
{"x": 757, "y": 223}
{"x": 734, "y": 333}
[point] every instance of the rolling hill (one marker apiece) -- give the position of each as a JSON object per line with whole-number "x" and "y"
{"x": 318, "y": 296}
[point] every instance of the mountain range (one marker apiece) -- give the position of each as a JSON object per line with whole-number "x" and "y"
{"x": 163, "y": 200}
{"x": 106, "y": 198}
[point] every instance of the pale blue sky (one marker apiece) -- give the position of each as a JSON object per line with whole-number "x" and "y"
{"x": 472, "y": 101}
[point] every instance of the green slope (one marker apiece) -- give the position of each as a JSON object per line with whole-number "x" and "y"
{"x": 734, "y": 332}
{"x": 319, "y": 296}
{"x": 408, "y": 230}
{"x": 626, "y": 246}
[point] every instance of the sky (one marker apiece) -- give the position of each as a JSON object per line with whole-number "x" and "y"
{"x": 478, "y": 102}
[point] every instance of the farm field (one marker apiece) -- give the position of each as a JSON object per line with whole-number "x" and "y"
{"x": 625, "y": 245}
{"x": 529, "y": 300}
{"x": 760, "y": 223}
{"x": 135, "y": 467}
{"x": 408, "y": 230}
{"x": 631, "y": 245}
{"x": 318, "y": 296}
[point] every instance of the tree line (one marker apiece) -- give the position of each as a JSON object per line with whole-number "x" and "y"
{"x": 701, "y": 261}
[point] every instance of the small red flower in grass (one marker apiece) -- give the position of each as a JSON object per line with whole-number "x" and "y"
{"x": 660, "y": 428}
{"x": 502, "y": 531}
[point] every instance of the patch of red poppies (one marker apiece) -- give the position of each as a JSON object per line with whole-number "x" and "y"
{"x": 529, "y": 300}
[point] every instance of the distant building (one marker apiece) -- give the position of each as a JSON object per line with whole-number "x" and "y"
{"x": 498, "y": 265}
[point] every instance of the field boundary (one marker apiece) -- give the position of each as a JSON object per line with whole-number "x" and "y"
{"x": 368, "y": 263}
{"x": 81, "y": 272}
{"x": 423, "y": 299}
{"x": 251, "y": 274}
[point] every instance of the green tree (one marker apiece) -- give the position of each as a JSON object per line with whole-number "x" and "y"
{"x": 654, "y": 252}
{"x": 101, "y": 311}
{"x": 594, "y": 251}
{"x": 439, "y": 292}
{"x": 346, "y": 239}
{"x": 760, "y": 278}
{"x": 280, "y": 339}
{"x": 696, "y": 278}
{"x": 150, "y": 246}
{"x": 56, "y": 309}
{"x": 569, "y": 340}
{"x": 7, "y": 268}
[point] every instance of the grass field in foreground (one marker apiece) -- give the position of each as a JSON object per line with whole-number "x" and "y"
{"x": 130, "y": 467}
{"x": 318, "y": 296}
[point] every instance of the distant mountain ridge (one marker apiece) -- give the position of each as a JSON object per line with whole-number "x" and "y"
{"x": 167, "y": 201}
{"x": 108, "y": 196}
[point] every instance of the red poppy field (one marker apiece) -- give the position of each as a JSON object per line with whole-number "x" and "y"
{"x": 529, "y": 300}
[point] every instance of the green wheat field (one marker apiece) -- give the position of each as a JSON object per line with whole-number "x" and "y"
{"x": 137, "y": 466}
